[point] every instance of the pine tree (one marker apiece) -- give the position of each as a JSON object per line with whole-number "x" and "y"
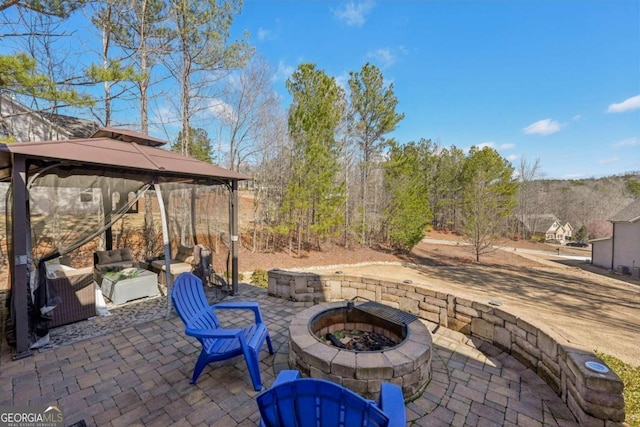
{"x": 373, "y": 112}
{"x": 407, "y": 181}
{"x": 314, "y": 196}
{"x": 199, "y": 145}
{"x": 489, "y": 194}
{"x": 18, "y": 74}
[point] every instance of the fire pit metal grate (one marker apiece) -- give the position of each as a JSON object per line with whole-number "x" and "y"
{"x": 388, "y": 313}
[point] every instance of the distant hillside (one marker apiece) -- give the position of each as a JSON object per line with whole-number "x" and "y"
{"x": 589, "y": 202}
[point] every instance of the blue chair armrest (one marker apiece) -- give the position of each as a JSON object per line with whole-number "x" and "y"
{"x": 214, "y": 333}
{"x": 286, "y": 376}
{"x": 249, "y": 305}
{"x": 391, "y": 401}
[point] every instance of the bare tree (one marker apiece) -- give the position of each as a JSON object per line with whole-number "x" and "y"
{"x": 528, "y": 195}
{"x": 249, "y": 101}
{"x": 271, "y": 174}
{"x": 145, "y": 35}
{"x": 39, "y": 74}
{"x": 202, "y": 52}
{"x": 113, "y": 72}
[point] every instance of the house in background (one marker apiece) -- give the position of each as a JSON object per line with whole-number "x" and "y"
{"x": 549, "y": 226}
{"x": 24, "y": 124}
{"x": 620, "y": 252}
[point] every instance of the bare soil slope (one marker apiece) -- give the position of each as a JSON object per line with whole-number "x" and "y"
{"x": 594, "y": 311}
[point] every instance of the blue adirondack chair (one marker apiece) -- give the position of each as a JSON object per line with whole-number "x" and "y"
{"x": 218, "y": 343}
{"x": 300, "y": 402}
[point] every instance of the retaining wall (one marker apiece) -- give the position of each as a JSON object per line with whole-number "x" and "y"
{"x": 595, "y": 399}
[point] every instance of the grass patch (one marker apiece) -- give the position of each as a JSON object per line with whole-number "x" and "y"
{"x": 630, "y": 376}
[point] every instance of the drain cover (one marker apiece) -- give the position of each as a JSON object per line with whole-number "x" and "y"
{"x": 389, "y": 313}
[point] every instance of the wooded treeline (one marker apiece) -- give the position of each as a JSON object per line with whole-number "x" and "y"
{"x": 324, "y": 167}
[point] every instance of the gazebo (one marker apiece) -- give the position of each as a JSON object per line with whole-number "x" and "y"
{"x": 110, "y": 158}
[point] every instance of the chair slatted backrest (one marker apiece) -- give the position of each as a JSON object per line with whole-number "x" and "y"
{"x": 191, "y": 303}
{"x": 315, "y": 402}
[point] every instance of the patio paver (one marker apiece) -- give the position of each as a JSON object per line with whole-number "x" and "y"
{"x": 139, "y": 375}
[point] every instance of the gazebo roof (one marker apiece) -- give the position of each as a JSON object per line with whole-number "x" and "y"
{"x": 119, "y": 149}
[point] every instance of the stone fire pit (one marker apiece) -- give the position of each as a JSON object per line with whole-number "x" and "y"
{"x": 407, "y": 364}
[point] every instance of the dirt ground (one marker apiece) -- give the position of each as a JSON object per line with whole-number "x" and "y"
{"x": 423, "y": 253}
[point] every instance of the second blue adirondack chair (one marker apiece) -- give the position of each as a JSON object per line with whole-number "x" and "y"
{"x": 311, "y": 402}
{"x": 218, "y": 343}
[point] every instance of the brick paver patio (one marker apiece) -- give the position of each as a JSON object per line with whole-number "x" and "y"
{"x": 139, "y": 375}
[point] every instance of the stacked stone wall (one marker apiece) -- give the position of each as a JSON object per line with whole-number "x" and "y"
{"x": 595, "y": 399}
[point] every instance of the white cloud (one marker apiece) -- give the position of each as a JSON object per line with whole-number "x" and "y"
{"x": 166, "y": 116}
{"x": 343, "y": 80}
{"x": 384, "y": 56}
{"x": 629, "y": 142}
{"x": 354, "y": 13}
{"x": 628, "y": 104}
{"x": 543, "y": 127}
{"x": 513, "y": 157}
{"x": 264, "y": 34}
{"x": 221, "y": 110}
{"x": 283, "y": 72}
{"x": 507, "y": 146}
{"x": 611, "y": 160}
{"x": 576, "y": 117}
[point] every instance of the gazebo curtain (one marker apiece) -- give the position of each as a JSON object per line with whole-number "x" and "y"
{"x": 70, "y": 207}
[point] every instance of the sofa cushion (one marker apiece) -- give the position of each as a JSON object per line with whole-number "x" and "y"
{"x": 108, "y": 257}
{"x": 126, "y": 254}
{"x": 114, "y": 256}
{"x": 176, "y": 266}
{"x": 115, "y": 266}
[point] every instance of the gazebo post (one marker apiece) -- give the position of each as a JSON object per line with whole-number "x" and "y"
{"x": 19, "y": 279}
{"x": 193, "y": 215}
{"x": 234, "y": 236}
{"x": 107, "y": 208}
{"x": 166, "y": 244}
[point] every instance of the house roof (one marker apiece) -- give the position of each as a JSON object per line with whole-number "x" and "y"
{"x": 138, "y": 153}
{"x": 630, "y": 213}
{"x": 61, "y": 125}
{"x": 75, "y": 127}
{"x": 540, "y": 223}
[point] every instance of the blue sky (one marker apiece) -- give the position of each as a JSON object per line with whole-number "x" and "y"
{"x": 555, "y": 80}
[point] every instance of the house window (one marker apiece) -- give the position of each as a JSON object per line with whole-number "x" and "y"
{"x": 86, "y": 196}
{"x": 134, "y": 207}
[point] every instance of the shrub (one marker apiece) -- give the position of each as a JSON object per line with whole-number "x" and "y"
{"x": 260, "y": 278}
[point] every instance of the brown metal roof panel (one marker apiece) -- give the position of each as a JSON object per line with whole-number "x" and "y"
{"x": 114, "y": 153}
{"x": 102, "y": 151}
{"x": 128, "y": 135}
{"x": 174, "y": 162}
